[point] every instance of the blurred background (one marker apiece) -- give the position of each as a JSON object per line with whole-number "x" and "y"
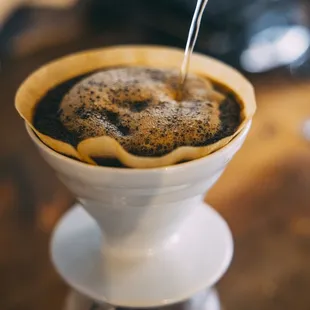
{"x": 264, "y": 194}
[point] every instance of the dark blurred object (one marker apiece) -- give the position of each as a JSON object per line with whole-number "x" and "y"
{"x": 259, "y": 35}
{"x": 255, "y": 36}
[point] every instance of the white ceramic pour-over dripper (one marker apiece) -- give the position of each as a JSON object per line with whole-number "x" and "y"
{"x": 149, "y": 240}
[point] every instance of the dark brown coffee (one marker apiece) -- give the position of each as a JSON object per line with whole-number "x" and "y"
{"x": 136, "y": 106}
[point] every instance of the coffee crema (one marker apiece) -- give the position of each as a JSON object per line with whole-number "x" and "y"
{"x": 136, "y": 106}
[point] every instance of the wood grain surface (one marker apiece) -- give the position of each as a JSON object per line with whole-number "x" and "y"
{"x": 264, "y": 195}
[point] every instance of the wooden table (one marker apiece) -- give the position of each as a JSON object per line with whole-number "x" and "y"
{"x": 264, "y": 195}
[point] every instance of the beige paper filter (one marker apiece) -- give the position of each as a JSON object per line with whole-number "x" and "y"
{"x": 59, "y": 71}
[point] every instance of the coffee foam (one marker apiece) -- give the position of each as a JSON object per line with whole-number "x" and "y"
{"x": 136, "y": 106}
{"x": 55, "y": 73}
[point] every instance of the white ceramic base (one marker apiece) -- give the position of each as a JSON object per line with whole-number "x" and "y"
{"x": 206, "y": 300}
{"x": 194, "y": 258}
